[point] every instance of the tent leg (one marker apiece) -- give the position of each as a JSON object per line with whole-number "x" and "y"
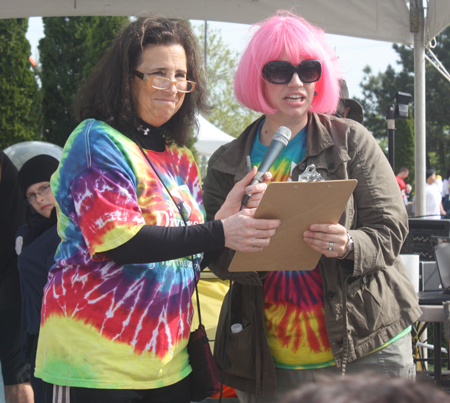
{"x": 419, "y": 113}
{"x": 203, "y": 166}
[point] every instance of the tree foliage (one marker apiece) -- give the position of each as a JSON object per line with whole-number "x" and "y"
{"x": 68, "y": 52}
{"x": 19, "y": 107}
{"x": 404, "y": 146}
{"x": 379, "y": 91}
{"x": 104, "y": 31}
{"x": 221, "y": 62}
{"x": 63, "y": 57}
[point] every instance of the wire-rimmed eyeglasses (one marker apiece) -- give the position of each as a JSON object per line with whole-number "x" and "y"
{"x": 162, "y": 83}
{"x": 42, "y": 191}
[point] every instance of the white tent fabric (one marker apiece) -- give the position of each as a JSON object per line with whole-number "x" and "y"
{"x": 209, "y": 137}
{"x": 438, "y": 17}
{"x": 385, "y": 20}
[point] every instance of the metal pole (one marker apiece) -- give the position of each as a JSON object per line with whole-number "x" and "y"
{"x": 390, "y": 117}
{"x": 419, "y": 112}
{"x": 206, "y": 45}
{"x": 437, "y": 355}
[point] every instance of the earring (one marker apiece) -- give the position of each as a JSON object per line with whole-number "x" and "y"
{"x": 315, "y": 93}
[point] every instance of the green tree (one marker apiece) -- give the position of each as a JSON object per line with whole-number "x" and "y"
{"x": 379, "y": 91}
{"x": 404, "y": 146}
{"x": 69, "y": 51}
{"x": 226, "y": 113}
{"x": 19, "y": 106}
{"x": 104, "y": 31}
{"x": 62, "y": 54}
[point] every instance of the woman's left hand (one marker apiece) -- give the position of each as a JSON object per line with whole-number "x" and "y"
{"x": 329, "y": 239}
{"x": 233, "y": 201}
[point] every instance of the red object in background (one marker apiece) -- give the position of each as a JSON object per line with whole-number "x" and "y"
{"x": 226, "y": 393}
{"x": 32, "y": 61}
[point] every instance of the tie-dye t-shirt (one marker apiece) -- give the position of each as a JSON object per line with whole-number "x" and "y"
{"x": 293, "y": 300}
{"x": 106, "y": 325}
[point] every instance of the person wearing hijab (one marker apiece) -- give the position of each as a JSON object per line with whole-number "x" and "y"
{"x": 36, "y": 244}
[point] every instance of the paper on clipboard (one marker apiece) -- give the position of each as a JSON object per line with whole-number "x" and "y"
{"x": 297, "y": 205}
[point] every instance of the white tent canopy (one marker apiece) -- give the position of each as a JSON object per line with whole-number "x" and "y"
{"x": 385, "y": 20}
{"x": 209, "y": 137}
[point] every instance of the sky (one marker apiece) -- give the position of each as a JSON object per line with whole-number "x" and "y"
{"x": 354, "y": 53}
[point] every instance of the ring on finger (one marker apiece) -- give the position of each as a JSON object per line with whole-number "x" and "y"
{"x": 330, "y": 248}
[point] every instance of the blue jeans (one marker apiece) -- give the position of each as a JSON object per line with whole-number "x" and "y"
{"x": 395, "y": 360}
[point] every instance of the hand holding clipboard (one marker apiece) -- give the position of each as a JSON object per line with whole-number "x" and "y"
{"x": 298, "y": 205}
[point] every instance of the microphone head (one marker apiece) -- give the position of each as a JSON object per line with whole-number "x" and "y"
{"x": 283, "y": 135}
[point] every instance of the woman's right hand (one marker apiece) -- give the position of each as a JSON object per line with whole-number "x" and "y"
{"x": 244, "y": 233}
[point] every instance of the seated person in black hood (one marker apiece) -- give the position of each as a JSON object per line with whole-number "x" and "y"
{"x": 14, "y": 370}
{"x": 36, "y": 244}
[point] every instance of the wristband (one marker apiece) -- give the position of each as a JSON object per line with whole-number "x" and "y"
{"x": 350, "y": 247}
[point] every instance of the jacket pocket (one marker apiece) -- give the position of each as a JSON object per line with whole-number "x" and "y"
{"x": 239, "y": 359}
{"x": 365, "y": 308}
{"x": 241, "y": 354}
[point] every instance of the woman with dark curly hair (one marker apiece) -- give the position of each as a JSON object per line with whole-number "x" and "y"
{"x": 117, "y": 311}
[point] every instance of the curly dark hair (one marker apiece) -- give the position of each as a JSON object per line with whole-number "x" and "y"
{"x": 107, "y": 94}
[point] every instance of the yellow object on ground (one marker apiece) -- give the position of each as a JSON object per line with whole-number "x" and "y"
{"x": 212, "y": 291}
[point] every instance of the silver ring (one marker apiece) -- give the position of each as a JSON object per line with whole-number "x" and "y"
{"x": 330, "y": 248}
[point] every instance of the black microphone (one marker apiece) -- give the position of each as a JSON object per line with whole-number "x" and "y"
{"x": 279, "y": 141}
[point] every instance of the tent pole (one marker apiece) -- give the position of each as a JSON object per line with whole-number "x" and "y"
{"x": 419, "y": 113}
{"x": 204, "y": 164}
{"x": 206, "y": 46}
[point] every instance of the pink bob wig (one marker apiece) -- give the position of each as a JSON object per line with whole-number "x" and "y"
{"x": 300, "y": 40}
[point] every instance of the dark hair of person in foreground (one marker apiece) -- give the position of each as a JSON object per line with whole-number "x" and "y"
{"x": 367, "y": 388}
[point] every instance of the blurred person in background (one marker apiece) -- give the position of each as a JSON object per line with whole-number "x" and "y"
{"x": 36, "y": 244}
{"x": 445, "y": 191}
{"x": 348, "y": 108}
{"x": 368, "y": 388}
{"x": 434, "y": 208}
{"x": 15, "y": 371}
{"x": 404, "y": 187}
{"x": 433, "y": 200}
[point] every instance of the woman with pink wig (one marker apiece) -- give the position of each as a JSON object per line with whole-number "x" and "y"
{"x": 353, "y": 311}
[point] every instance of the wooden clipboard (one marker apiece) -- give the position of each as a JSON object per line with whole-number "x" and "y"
{"x": 298, "y": 205}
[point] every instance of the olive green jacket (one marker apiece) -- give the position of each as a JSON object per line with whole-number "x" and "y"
{"x": 367, "y": 301}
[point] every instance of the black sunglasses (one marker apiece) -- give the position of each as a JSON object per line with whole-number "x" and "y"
{"x": 279, "y": 72}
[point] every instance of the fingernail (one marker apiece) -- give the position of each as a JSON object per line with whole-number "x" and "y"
{"x": 249, "y": 189}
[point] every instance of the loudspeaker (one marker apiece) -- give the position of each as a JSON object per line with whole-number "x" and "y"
{"x": 422, "y": 237}
{"x": 429, "y": 276}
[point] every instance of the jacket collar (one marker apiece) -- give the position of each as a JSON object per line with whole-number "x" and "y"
{"x": 232, "y": 160}
{"x": 318, "y": 137}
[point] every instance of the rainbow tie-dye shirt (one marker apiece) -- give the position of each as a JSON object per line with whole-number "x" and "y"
{"x": 106, "y": 325}
{"x": 293, "y": 300}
